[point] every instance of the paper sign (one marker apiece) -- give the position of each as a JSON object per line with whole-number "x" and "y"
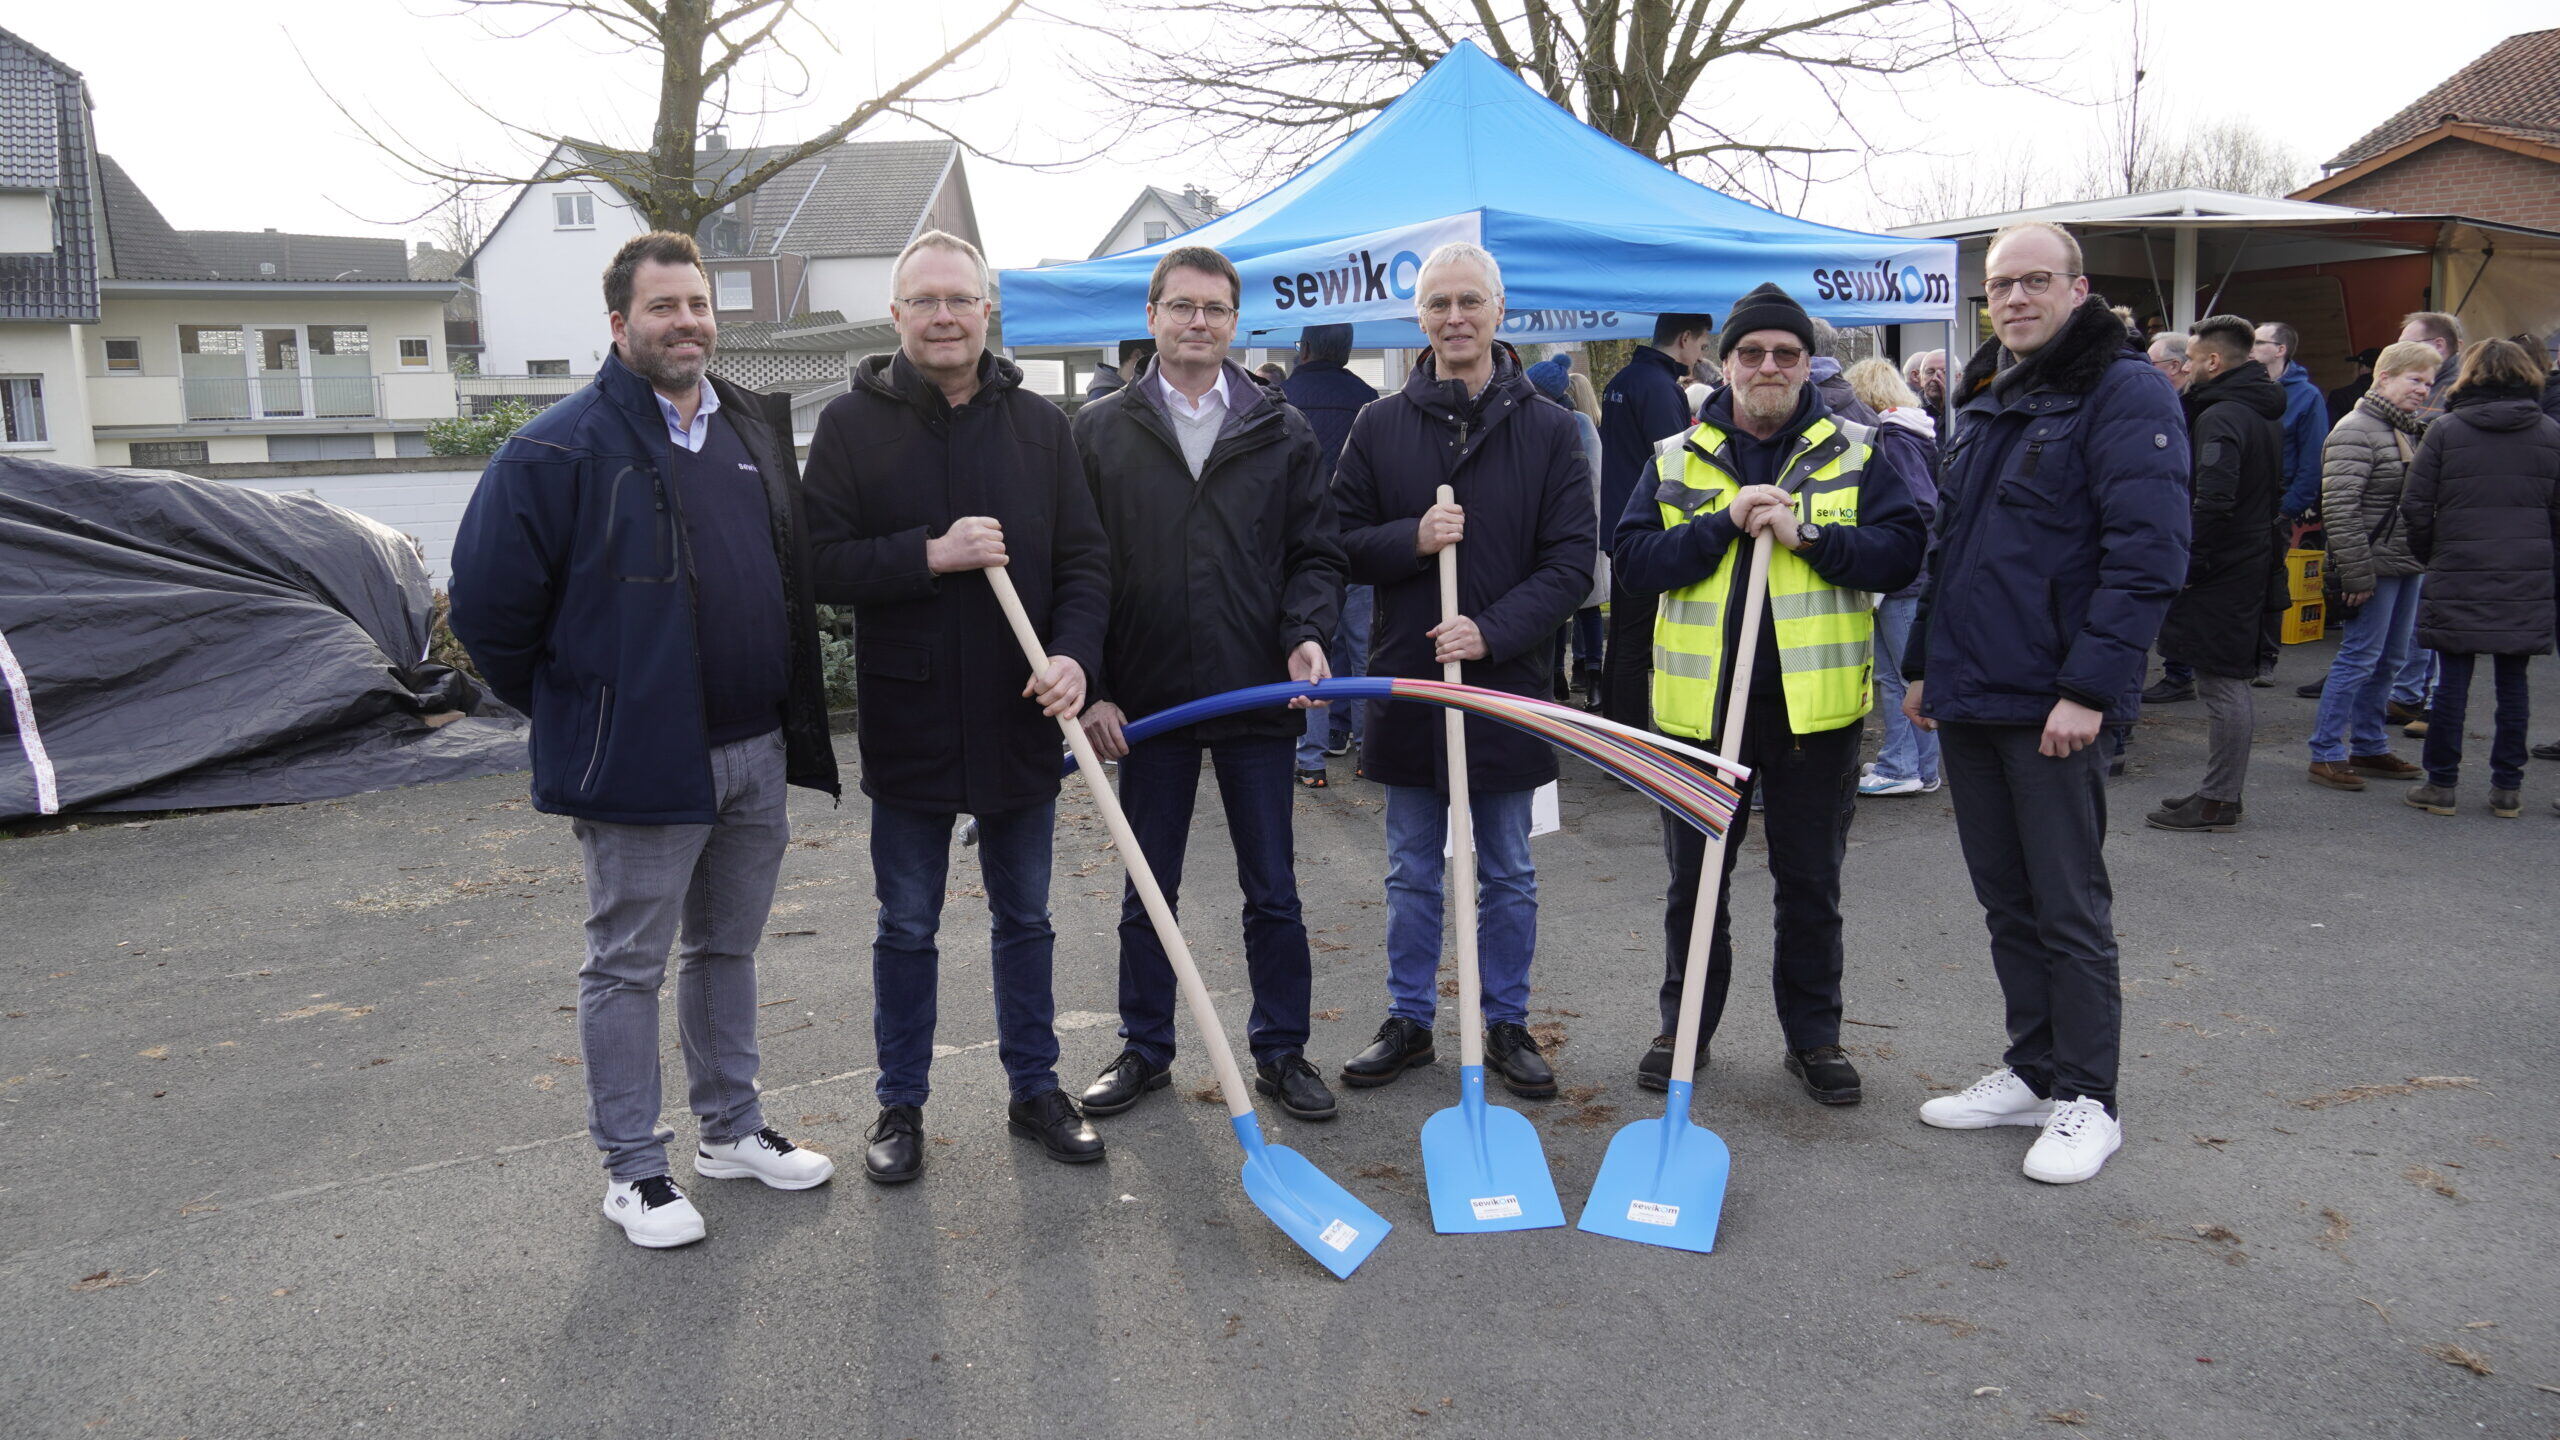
{"x": 1546, "y": 817}
{"x": 1339, "y": 1236}
{"x": 1496, "y": 1207}
{"x": 1645, "y": 1212}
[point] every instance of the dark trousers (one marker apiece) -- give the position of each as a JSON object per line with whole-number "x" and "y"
{"x": 1628, "y": 697}
{"x": 1158, "y": 781}
{"x": 1810, "y": 783}
{"x": 910, "y": 860}
{"x": 2442, "y": 754}
{"x": 2032, "y": 830}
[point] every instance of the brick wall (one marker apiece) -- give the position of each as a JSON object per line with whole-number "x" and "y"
{"x": 2463, "y": 178}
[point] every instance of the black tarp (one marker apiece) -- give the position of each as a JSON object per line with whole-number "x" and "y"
{"x": 179, "y": 642}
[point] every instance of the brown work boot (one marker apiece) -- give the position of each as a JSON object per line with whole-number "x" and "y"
{"x": 2335, "y": 775}
{"x": 2386, "y": 765}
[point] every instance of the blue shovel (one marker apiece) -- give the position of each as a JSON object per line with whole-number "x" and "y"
{"x": 1309, "y": 1208}
{"x": 1662, "y": 1182}
{"x": 1483, "y": 1162}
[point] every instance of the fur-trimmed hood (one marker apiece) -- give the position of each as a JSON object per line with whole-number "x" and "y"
{"x": 2092, "y": 339}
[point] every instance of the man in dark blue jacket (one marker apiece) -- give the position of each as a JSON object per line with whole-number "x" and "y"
{"x": 1641, "y": 406}
{"x": 633, "y": 574}
{"x": 1325, "y": 391}
{"x": 936, "y": 467}
{"x": 2062, "y": 539}
{"x": 1467, "y": 418}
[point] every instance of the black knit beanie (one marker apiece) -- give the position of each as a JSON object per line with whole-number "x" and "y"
{"x": 1767, "y": 308}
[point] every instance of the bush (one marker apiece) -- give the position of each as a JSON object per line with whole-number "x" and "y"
{"x": 442, "y": 646}
{"x": 835, "y": 655}
{"x": 478, "y": 434}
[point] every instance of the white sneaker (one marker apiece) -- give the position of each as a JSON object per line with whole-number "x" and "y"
{"x": 1933, "y": 784}
{"x": 653, "y": 1212}
{"x": 764, "y": 1156}
{"x": 1875, "y": 784}
{"x": 2075, "y": 1144}
{"x": 1999, "y": 1098}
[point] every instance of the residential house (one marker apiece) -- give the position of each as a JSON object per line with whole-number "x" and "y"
{"x": 2485, "y": 144}
{"x": 818, "y": 236}
{"x": 1158, "y": 214}
{"x": 461, "y": 313}
{"x": 49, "y": 253}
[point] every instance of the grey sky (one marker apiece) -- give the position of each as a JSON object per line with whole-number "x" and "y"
{"x": 211, "y": 109}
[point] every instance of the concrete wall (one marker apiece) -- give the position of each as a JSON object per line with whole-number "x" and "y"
{"x": 52, "y": 353}
{"x": 421, "y": 497}
{"x": 542, "y": 288}
{"x": 2462, "y": 178}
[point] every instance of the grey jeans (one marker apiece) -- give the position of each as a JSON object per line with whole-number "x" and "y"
{"x": 716, "y": 882}
{"x": 2231, "y": 713}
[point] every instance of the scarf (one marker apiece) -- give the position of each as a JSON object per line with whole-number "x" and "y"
{"x": 2392, "y": 415}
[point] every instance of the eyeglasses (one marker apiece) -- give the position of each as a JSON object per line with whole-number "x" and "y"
{"x": 947, "y": 304}
{"x": 2034, "y": 282}
{"x": 1754, "y": 356}
{"x": 1186, "y": 312}
{"x": 1439, "y": 306}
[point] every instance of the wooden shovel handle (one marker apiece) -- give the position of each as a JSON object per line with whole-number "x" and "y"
{"x": 1702, "y": 925}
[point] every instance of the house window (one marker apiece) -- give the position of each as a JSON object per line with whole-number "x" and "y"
{"x": 546, "y": 367}
{"x": 1156, "y": 230}
{"x": 341, "y": 340}
{"x": 737, "y": 290}
{"x": 22, "y": 409}
{"x": 413, "y": 353}
{"x": 573, "y": 210}
{"x": 124, "y": 357}
{"x": 167, "y": 454}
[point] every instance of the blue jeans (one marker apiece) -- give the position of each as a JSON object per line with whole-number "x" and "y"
{"x": 1158, "y": 781}
{"x": 2371, "y": 650}
{"x": 1910, "y": 753}
{"x": 910, "y": 860}
{"x": 1590, "y": 632}
{"x": 1349, "y": 657}
{"x": 2442, "y": 754}
{"x": 644, "y": 883}
{"x": 1506, "y": 901}
{"x": 2415, "y": 684}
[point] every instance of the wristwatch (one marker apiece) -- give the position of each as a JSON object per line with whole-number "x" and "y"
{"x": 1808, "y": 534}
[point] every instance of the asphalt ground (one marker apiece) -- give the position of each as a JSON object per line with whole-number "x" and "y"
{"x": 291, "y": 1143}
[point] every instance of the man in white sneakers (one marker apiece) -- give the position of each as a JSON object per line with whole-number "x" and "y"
{"x": 2062, "y": 538}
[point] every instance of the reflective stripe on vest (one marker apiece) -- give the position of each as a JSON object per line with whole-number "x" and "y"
{"x": 1826, "y": 635}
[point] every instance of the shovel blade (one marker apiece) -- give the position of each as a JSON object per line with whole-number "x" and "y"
{"x": 1486, "y": 1168}
{"x": 1662, "y": 1183}
{"x": 1325, "y": 1220}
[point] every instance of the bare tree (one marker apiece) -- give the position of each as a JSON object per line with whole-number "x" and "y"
{"x": 460, "y": 223}
{"x": 1282, "y": 79}
{"x": 702, "y": 52}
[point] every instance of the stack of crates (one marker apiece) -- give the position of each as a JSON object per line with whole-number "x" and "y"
{"x": 2303, "y": 615}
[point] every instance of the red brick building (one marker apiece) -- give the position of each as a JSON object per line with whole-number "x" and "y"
{"x": 2484, "y": 144}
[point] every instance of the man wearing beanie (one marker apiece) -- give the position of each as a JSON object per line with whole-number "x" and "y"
{"x": 1769, "y": 457}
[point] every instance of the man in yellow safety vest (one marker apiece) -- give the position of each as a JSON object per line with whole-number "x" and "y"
{"x": 1768, "y": 457}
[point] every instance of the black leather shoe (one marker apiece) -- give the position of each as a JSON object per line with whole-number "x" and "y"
{"x": 1296, "y": 1085}
{"x": 2312, "y": 690}
{"x": 2547, "y": 750}
{"x": 1510, "y": 1052}
{"x": 897, "y": 1146}
{"x": 1401, "y": 1045}
{"x": 1051, "y": 1119}
{"x": 1653, "y": 1072}
{"x": 1123, "y": 1083}
{"x": 2162, "y": 692}
{"x": 1827, "y": 1074}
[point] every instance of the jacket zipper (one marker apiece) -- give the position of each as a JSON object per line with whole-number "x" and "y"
{"x": 604, "y": 714}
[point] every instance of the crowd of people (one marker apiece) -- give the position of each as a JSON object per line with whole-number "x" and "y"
{"x": 639, "y": 569}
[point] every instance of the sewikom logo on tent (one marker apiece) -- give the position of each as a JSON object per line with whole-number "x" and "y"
{"x": 1886, "y": 282}
{"x": 1366, "y": 277}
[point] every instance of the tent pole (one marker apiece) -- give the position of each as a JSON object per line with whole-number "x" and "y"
{"x": 2182, "y": 274}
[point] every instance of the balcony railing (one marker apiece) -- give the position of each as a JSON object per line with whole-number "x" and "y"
{"x": 476, "y": 394}
{"x": 284, "y": 397}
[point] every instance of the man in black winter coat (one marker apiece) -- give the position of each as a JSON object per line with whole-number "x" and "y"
{"x": 2235, "y": 432}
{"x": 1644, "y": 404}
{"x": 935, "y": 466}
{"x": 1468, "y": 418}
{"x": 1225, "y": 574}
{"x": 1323, "y": 389}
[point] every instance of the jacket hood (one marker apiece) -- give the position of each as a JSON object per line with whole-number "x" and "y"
{"x": 1425, "y": 388}
{"x": 2072, "y": 362}
{"x": 2297, "y": 374}
{"x": 894, "y": 377}
{"x": 2497, "y": 407}
{"x": 2242, "y": 384}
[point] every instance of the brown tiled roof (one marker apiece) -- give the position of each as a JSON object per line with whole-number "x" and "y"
{"x": 2514, "y": 88}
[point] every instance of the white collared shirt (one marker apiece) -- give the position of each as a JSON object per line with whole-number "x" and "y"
{"x": 682, "y": 436}
{"x": 1177, "y": 403}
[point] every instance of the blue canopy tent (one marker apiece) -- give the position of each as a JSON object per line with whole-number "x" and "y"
{"x": 1594, "y": 239}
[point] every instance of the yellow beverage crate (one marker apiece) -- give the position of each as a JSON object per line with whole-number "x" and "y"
{"x": 2302, "y": 573}
{"x": 2303, "y": 621}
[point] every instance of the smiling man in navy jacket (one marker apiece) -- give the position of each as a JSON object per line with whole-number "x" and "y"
{"x": 632, "y": 573}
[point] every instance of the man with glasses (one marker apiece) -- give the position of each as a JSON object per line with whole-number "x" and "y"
{"x": 2062, "y": 539}
{"x": 2168, "y": 355}
{"x": 1225, "y": 574}
{"x": 935, "y": 466}
{"x": 1768, "y": 456}
{"x": 1469, "y": 418}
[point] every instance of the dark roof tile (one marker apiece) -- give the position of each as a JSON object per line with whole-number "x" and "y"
{"x": 45, "y": 145}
